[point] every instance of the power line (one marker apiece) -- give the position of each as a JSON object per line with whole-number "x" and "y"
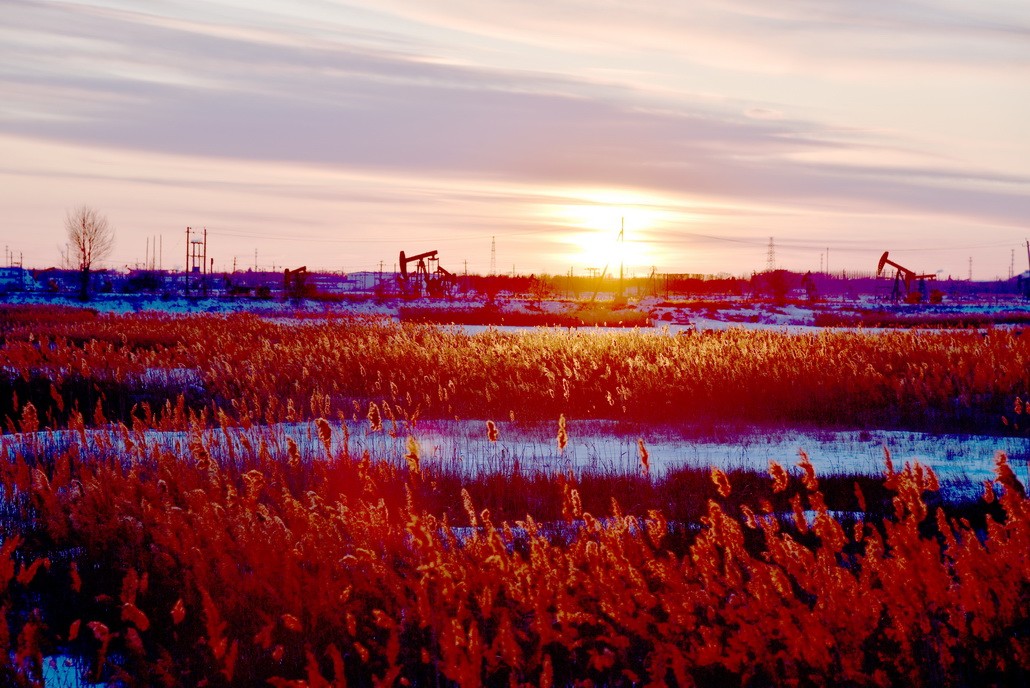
{"x": 928, "y": 249}
{"x": 843, "y": 247}
{"x": 849, "y": 246}
{"x": 391, "y": 240}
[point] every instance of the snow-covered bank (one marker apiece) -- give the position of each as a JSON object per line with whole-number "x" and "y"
{"x": 962, "y": 462}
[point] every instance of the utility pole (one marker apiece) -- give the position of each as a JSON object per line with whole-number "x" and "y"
{"x": 186, "y": 265}
{"x": 196, "y": 260}
{"x": 827, "y": 260}
{"x": 1012, "y": 264}
{"x": 970, "y": 268}
{"x": 622, "y": 241}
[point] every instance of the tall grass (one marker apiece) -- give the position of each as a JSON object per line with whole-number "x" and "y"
{"x": 259, "y": 371}
{"x": 169, "y": 535}
{"x": 299, "y": 565}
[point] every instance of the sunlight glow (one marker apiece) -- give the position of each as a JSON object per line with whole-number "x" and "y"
{"x": 593, "y": 220}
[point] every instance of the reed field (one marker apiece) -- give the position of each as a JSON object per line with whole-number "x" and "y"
{"x": 202, "y": 500}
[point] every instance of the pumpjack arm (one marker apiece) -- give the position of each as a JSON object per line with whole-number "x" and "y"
{"x": 404, "y": 260}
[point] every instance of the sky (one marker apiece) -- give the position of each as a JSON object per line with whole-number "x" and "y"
{"x": 337, "y": 134}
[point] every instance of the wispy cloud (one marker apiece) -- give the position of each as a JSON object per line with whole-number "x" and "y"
{"x": 754, "y": 35}
{"x": 403, "y": 90}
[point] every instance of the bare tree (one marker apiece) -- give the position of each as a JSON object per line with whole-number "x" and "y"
{"x": 90, "y": 240}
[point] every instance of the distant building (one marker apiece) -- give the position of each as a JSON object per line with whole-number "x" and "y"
{"x": 1023, "y": 284}
{"x": 15, "y": 279}
{"x": 64, "y": 280}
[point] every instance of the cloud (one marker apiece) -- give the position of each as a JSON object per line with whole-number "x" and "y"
{"x": 800, "y": 35}
{"x": 282, "y": 93}
{"x": 340, "y": 106}
{"x": 763, "y": 113}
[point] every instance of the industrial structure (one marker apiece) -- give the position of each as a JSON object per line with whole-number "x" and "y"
{"x": 1023, "y": 279}
{"x": 429, "y": 278}
{"x": 905, "y": 277}
{"x": 196, "y": 262}
{"x": 295, "y": 283}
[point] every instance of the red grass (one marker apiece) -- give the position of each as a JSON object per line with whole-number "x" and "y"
{"x": 324, "y": 568}
{"x": 240, "y": 557}
{"x": 255, "y": 370}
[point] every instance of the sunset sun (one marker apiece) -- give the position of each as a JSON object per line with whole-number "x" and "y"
{"x": 608, "y": 229}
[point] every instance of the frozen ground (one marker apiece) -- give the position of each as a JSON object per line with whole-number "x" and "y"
{"x": 134, "y": 303}
{"x": 962, "y": 462}
{"x": 62, "y": 671}
{"x": 674, "y": 316}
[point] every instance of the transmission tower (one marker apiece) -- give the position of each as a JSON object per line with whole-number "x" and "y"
{"x": 770, "y": 257}
{"x": 493, "y": 255}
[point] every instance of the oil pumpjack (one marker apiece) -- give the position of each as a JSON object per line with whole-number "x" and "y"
{"x": 428, "y": 277}
{"x": 903, "y": 277}
{"x": 295, "y": 283}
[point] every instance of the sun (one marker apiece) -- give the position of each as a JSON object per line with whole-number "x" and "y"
{"x": 606, "y": 229}
{"x": 596, "y": 248}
